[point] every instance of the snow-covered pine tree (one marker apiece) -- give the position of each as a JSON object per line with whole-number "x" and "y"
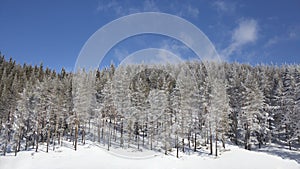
{"x": 252, "y": 112}
{"x": 288, "y": 104}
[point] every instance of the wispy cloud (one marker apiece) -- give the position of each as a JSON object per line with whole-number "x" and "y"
{"x": 272, "y": 41}
{"x": 150, "y": 6}
{"x": 176, "y": 48}
{"x": 224, "y": 6}
{"x": 292, "y": 33}
{"x": 120, "y": 54}
{"x": 151, "y": 56}
{"x": 191, "y": 11}
{"x": 186, "y": 10}
{"x": 246, "y": 32}
{"x": 121, "y": 8}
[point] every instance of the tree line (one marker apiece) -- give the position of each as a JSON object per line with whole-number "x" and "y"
{"x": 159, "y": 107}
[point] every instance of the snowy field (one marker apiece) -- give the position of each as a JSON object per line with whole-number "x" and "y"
{"x": 93, "y": 156}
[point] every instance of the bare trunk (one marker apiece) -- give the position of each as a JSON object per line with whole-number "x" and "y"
{"x": 98, "y": 130}
{"x": 48, "y": 139}
{"x": 115, "y": 130}
{"x": 138, "y": 141}
{"x": 16, "y": 148}
{"x": 216, "y": 143}
{"x": 247, "y": 137}
{"x": 121, "y": 139}
{"x": 207, "y": 137}
{"x": 223, "y": 141}
{"x": 76, "y": 135}
{"x": 195, "y": 142}
{"x": 89, "y": 126}
{"x": 108, "y": 137}
{"x": 151, "y": 142}
{"x": 182, "y": 144}
{"x": 37, "y": 141}
{"x": 59, "y": 138}
{"x": 143, "y": 137}
{"x": 177, "y": 147}
{"x": 6, "y": 142}
{"x": 26, "y": 143}
{"x": 189, "y": 140}
{"x": 211, "y": 141}
{"x": 83, "y": 136}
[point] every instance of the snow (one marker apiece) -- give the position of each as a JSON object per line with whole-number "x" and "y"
{"x": 94, "y": 156}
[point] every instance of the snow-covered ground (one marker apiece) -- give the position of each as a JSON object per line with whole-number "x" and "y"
{"x": 94, "y": 156}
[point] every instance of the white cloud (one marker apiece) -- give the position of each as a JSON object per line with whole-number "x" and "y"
{"x": 246, "y": 32}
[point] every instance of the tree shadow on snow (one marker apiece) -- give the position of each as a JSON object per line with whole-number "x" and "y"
{"x": 282, "y": 152}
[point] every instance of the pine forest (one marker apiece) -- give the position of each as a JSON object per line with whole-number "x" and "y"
{"x": 183, "y": 106}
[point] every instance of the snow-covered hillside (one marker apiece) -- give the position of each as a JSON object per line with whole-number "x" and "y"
{"x": 94, "y": 156}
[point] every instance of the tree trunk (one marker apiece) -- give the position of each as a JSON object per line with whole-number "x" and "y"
{"x": 246, "y": 137}
{"x": 26, "y": 143}
{"x": 216, "y": 143}
{"x": 76, "y": 135}
{"x": 138, "y": 141}
{"x": 6, "y": 142}
{"x": 89, "y": 126}
{"x": 115, "y": 130}
{"x": 121, "y": 139}
{"x": 211, "y": 141}
{"x": 98, "y": 130}
{"x": 48, "y": 139}
{"x": 177, "y": 147}
{"x": 166, "y": 136}
{"x": 19, "y": 141}
{"x": 195, "y": 142}
{"x": 102, "y": 130}
{"x": 108, "y": 137}
{"x": 151, "y": 139}
{"x": 53, "y": 140}
{"x": 71, "y": 135}
{"x": 189, "y": 140}
{"x": 207, "y": 137}
{"x": 83, "y": 136}
{"x": 37, "y": 141}
{"x": 16, "y": 148}
{"x": 223, "y": 141}
{"x": 182, "y": 144}
{"x": 59, "y": 138}
{"x": 143, "y": 137}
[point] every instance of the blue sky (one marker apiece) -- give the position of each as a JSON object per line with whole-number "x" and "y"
{"x": 53, "y": 32}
